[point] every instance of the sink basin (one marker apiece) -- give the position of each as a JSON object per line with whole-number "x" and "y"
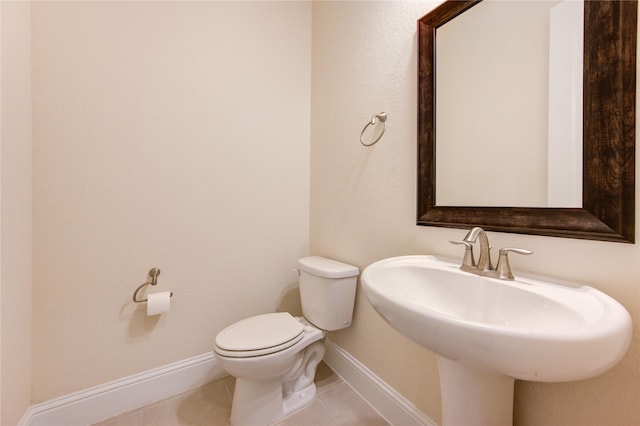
{"x": 530, "y": 328}
{"x": 526, "y": 329}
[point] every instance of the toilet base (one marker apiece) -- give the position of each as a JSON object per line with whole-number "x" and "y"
{"x": 261, "y": 403}
{"x": 298, "y": 400}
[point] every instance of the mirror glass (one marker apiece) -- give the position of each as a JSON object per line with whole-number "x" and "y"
{"x": 467, "y": 147}
{"x": 509, "y": 86}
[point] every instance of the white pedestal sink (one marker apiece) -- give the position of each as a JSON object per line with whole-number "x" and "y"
{"x": 488, "y": 332}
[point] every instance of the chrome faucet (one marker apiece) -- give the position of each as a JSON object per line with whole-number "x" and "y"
{"x": 483, "y": 266}
{"x": 484, "y": 261}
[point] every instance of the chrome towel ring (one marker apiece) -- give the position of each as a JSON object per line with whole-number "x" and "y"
{"x": 382, "y": 117}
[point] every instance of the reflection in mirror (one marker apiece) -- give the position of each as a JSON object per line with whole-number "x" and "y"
{"x": 510, "y": 85}
{"x": 604, "y": 209}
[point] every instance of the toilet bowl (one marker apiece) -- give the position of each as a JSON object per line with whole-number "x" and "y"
{"x": 278, "y": 380}
{"x": 274, "y": 356}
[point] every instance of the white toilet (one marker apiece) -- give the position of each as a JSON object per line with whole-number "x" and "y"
{"x": 274, "y": 356}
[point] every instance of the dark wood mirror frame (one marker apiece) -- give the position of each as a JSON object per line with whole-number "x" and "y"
{"x": 609, "y": 94}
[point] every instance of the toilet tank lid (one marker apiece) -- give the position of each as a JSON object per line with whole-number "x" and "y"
{"x": 327, "y": 268}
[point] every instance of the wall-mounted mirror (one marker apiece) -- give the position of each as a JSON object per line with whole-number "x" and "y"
{"x": 509, "y": 93}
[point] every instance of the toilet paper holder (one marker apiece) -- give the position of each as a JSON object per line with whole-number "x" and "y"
{"x": 153, "y": 280}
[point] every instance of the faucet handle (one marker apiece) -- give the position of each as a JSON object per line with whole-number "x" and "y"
{"x": 468, "y": 261}
{"x": 503, "y": 268}
{"x": 461, "y": 242}
{"x": 506, "y": 251}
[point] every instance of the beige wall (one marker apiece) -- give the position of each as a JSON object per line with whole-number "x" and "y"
{"x": 15, "y": 196}
{"x": 168, "y": 134}
{"x": 363, "y": 209}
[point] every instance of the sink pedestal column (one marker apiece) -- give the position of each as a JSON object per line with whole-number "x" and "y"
{"x": 474, "y": 397}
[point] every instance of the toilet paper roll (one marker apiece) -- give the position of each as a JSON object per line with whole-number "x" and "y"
{"x": 158, "y": 303}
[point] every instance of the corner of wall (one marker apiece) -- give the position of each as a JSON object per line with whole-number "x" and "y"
{"x": 15, "y": 211}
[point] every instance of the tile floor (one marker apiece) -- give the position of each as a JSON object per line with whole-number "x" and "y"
{"x": 336, "y": 404}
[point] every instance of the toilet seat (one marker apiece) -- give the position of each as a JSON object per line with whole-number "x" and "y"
{"x": 259, "y": 335}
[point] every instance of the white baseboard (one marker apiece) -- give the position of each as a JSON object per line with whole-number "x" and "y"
{"x": 108, "y": 400}
{"x": 117, "y": 397}
{"x": 393, "y": 406}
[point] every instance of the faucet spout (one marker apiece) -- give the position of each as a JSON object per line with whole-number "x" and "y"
{"x": 484, "y": 266}
{"x": 484, "y": 261}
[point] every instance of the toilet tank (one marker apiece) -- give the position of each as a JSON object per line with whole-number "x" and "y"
{"x": 327, "y": 292}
